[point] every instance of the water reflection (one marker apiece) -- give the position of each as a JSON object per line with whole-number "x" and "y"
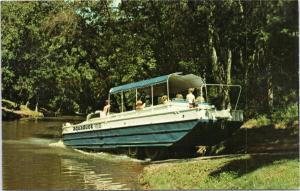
{"x": 89, "y": 176}
{"x": 31, "y": 162}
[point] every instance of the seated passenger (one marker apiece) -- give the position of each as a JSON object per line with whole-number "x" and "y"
{"x": 148, "y": 102}
{"x": 164, "y": 99}
{"x": 178, "y": 97}
{"x": 139, "y": 105}
{"x": 200, "y": 99}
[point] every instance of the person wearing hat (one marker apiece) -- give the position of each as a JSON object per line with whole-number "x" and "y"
{"x": 190, "y": 98}
{"x": 139, "y": 105}
{"x": 164, "y": 99}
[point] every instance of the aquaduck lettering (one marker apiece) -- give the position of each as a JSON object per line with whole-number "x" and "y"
{"x": 82, "y": 127}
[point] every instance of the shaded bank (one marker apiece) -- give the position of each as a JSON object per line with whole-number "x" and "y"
{"x": 264, "y": 139}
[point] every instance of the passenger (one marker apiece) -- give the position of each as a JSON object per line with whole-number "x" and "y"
{"x": 147, "y": 102}
{"x": 139, "y": 105}
{"x": 106, "y": 108}
{"x": 164, "y": 99}
{"x": 178, "y": 97}
{"x": 200, "y": 99}
{"x": 190, "y": 97}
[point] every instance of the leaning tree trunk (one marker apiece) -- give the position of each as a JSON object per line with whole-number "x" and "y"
{"x": 228, "y": 80}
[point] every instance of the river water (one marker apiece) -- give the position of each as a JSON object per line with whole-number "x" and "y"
{"x": 34, "y": 157}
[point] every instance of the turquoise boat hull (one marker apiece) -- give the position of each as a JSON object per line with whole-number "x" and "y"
{"x": 172, "y": 134}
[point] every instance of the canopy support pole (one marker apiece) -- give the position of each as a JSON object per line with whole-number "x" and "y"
{"x": 168, "y": 89}
{"x": 108, "y": 102}
{"x": 152, "y": 96}
{"x": 135, "y": 95}
{"x": 122, "y": 101}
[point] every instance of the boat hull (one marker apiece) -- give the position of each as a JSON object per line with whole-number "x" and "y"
{"x": 171, "y": 134}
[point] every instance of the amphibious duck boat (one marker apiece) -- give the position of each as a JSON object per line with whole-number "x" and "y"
{"x": 174, "y": 123}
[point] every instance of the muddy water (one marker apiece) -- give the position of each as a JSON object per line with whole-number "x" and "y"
{"x": 35, "y": 158}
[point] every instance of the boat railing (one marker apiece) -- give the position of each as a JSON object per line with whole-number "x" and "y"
{"x": 146, "y": 110}
{"x": 172, "y": 106}
{"x": 237, "y": 115}
{"x": 223, "y": 85}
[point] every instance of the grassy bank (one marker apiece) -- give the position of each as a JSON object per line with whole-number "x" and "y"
{"x": 257, "y": 156}
{"x": 272, "y": 171}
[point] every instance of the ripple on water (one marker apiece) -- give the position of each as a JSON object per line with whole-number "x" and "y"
{"x": 90, "y": 177}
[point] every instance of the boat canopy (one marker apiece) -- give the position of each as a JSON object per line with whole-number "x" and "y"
{"x": 176, "y": 82}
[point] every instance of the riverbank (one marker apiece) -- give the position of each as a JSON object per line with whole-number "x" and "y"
{"x": 255, "y": 157}
{"x": 11, "y": 111}
{"x": 250, "y": 171}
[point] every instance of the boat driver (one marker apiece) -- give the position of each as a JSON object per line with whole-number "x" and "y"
{"x": 106, "y": 108}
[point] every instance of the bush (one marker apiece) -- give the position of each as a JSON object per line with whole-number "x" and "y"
{"x": 287, "y": 115}
{"x": 261, "y": 120}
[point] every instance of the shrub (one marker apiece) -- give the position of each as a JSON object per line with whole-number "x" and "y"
{"x": 286, "y": 115}
{"x": 261, "y": 120}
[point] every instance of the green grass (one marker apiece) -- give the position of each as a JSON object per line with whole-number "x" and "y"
{"x": 243, "y": 172}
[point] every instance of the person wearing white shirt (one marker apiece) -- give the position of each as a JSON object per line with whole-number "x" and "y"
{"x": 190, "y": 98}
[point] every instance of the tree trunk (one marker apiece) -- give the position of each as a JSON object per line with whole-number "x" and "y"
{"x": 246, "y": 71}
{"x": 212, "y": 50}
{"x": 228, "y": 79}
{"x": 270, "y": 87}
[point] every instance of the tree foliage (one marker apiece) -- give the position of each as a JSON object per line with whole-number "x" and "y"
{"x": 66, "y": 55}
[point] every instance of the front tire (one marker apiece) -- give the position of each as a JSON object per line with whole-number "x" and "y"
{"x": 135, "y": 152}
{"x": 155, "y": 153}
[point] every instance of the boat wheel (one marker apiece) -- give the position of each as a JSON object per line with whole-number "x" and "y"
{"x": 154, "y": 153}
{"x": 134, "y": 152}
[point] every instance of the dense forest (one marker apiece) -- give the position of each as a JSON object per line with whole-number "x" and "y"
{"x": 66, "y": 55}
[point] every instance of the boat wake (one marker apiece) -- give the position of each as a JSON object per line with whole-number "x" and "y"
{"x": 107, "y": 156}
{"x": 95, "y": 155}
{"x": 29, "y": 141}
{"x": 59, "y": 144}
